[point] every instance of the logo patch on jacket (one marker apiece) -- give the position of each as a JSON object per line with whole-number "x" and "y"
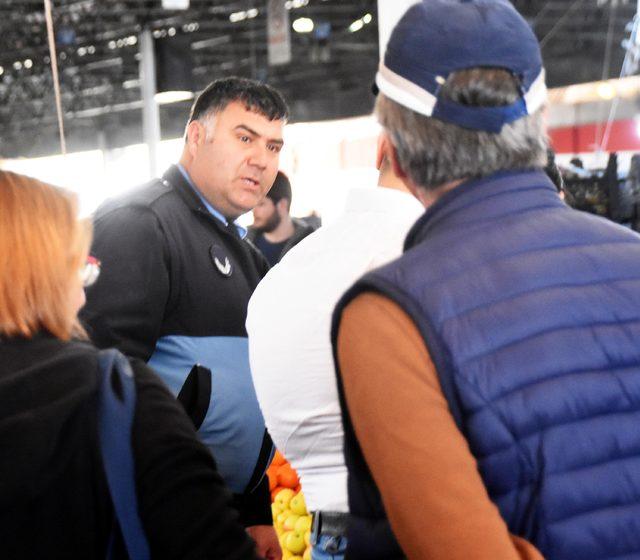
{"x": 221, "y": 260}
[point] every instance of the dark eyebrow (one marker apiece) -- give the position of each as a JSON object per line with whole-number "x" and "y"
{"x": 278, "y": 141}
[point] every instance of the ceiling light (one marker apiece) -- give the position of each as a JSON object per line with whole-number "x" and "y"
{"x": 235, "y": 17}
{"x": 165, "y": 97}
{"x": 91, "y": 49}
{"x": 303, "y": 25}
{"x": 295, "y": 4}
{"x": 605, "y": 90}
{"x": 28, "y": 63}
{"x": 356, "y": 26}
{"x": 17, "y": 65}
{"x": 172, "y": 31}
{"x": 112, "y": 45}
{"x": 212, "y": 42}
{"x": 367, "y": 18}
{"x": 253, "y": 12}
{"x": 1, "y": 70}
{"x": 175, "y": 4}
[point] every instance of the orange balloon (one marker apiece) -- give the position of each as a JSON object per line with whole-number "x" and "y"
{"x": 273, "y": 481}
{"x": 278, "y": 459}
{"x": 287, "y": 477}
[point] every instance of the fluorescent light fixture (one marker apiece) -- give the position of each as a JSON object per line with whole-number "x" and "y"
{"x": 295, "y": 4}
{"x": 166, "y": 97}
{"x": 213, "y": 42}
{"x": 303, "y": 25}
{"x": 175, "y": 4}
{"x": 235, "y": 17}
{"x": 99, "y": 64}
{"x": 356, "y": 26}
{"x": 131, "y": 84}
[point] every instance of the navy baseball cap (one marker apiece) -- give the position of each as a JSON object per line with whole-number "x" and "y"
{"x": 437, "y": 37}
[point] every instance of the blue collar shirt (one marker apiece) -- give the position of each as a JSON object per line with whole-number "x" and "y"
{"x": 242, "y": 232}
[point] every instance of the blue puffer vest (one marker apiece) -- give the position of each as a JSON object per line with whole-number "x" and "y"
{"x": 531, "y": 313}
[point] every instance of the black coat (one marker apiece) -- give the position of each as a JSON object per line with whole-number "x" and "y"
{"x": 163, "y": 296}
{"x": 54, "y": 502}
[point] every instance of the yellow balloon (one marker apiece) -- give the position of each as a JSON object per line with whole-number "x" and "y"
{"x": 303, "y": 523}
{"x": 290, "y": 522}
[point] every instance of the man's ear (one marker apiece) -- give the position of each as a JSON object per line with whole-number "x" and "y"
{"x": 283, "y": 206}
{"x": 381, "y": 148}
{"x": 196, "y": 136}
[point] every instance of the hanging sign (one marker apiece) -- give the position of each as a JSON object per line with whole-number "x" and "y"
{"x": 278, "y": 33}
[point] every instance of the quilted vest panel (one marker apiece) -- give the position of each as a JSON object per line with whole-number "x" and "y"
{"x": 531, "y": 313}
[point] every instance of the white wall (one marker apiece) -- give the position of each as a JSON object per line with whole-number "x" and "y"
{"x": 322, "y": 160}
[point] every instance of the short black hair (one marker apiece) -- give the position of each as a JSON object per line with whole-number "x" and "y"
{"x": 281, "y": 189}
{"x": 256, "y": 96}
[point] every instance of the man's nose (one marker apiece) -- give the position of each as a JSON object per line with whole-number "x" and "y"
{"x": 259, "y": 156}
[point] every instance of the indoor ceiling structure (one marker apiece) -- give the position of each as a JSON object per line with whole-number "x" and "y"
{"x": 329, "y": 76}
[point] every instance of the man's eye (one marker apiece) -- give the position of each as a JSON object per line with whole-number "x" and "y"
{"x": 245, "y": 139}
{"x": 275, "y": 148}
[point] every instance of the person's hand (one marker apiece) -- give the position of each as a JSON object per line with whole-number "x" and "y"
{"x": 267, "y": 545}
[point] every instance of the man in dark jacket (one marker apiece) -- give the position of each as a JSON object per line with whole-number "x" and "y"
{"x": 274, "y": 231}
{"x": 177, "y": 276}
{"x": 491, "y": 375}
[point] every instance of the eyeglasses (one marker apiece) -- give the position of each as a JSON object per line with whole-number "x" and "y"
{"x": 90, "y": 271}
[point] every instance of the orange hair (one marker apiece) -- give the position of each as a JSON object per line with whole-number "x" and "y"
{"x": 42, "y": 246}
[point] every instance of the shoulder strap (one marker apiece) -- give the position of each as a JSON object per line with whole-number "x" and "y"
{"x": 116, "y": 407}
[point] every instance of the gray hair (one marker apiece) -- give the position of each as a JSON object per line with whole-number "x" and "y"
{"x": 433, "y": 152}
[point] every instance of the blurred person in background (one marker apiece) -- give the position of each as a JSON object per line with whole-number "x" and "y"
{"x": 54, "y": 498}
{"x": 490, "y": 376}
{"x": 274, "y": 231}
{"x": 290, "y": 346}
{"x": 177, "y": 275}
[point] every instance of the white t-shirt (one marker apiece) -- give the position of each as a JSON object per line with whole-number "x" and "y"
{"x": 289, "y": 326}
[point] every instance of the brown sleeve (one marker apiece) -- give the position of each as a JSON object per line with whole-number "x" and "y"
{"x": 433, "y": 494}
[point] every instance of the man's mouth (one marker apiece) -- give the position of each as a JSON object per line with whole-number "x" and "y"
{"x": 254, "y": 183}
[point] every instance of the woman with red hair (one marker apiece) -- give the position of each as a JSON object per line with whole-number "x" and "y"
{"x": 54, "y": 497}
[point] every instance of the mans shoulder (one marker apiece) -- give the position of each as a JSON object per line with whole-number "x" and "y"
{"x": 302, "y": 229}
{"x": 145, "y": 198}
{"x": 252, "y": 235}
